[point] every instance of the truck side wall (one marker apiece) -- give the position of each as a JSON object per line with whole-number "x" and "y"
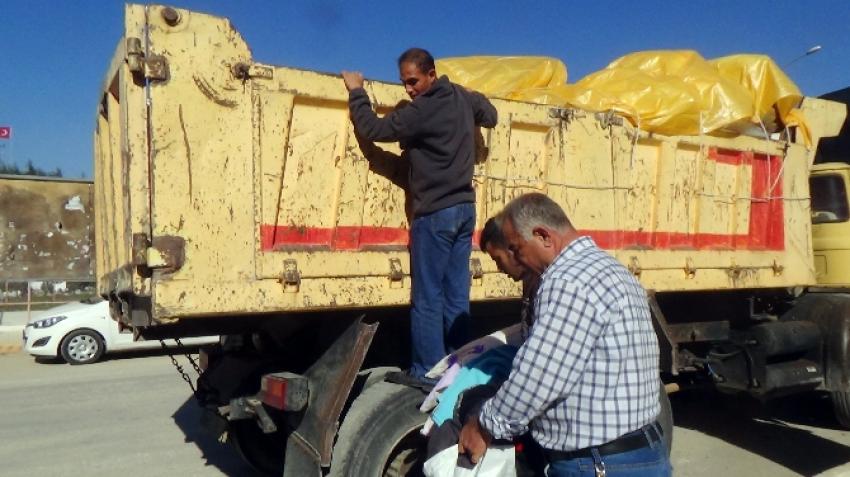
{"x": 121, "y": 167}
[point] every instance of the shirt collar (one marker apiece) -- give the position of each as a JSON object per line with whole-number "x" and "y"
{"x": 574, "y": 248}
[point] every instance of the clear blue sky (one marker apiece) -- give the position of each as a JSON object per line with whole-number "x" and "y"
{"x": 54, "y": 53}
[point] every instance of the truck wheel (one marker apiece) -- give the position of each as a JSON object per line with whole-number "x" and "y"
{"x": 838, "y": 360}
{"x": 831, "y": 312}
{"x": 81, "y": 347}
{"x": 665, "y": 418}
{"x": 380, "y": 434}
{"x": 263, "y": 452}
{"x": 841, "y": 407}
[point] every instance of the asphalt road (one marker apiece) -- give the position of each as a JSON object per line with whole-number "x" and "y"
{"x": 121, "y": 417}
{"x": 133, "y": 416}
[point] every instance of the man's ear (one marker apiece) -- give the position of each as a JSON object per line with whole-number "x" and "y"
{"x": 543, "y": 234}
{"x": 432, "y": 73}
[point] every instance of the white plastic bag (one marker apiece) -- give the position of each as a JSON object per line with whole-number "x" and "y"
{"x": 498, "y": 461}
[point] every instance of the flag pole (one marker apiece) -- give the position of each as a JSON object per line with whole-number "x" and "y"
{"x": 7, "y": 146}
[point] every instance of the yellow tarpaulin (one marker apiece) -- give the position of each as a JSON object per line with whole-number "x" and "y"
{"x": 506, "y": 77}
{"x": 669, "y": 92}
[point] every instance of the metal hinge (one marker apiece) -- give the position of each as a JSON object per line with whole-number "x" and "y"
{"x": 152, "y": 67}
{"x": 566, "y": 114}
{"x": 171, "y": 250}
{"x": 777, "y": 268}
{"x": 690, "y": 269}
{"x": 166, "y": 253}
{"x": 396, "y": 274}
{"x": 476, "y": 271}
{"x": 245, "y": 71}
{"x": 139, "y": 250}
{"x": 734, "y": 271}
{"x": 634, "y": 266}
{"x": 291, "y": 278}
{"x": 608, "y": 118}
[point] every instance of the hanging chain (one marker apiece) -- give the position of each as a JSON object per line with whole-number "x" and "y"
{"x": 180, "y": 370}
{"x": 188, "y": 356}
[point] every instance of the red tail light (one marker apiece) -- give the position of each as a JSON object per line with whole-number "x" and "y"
{"x": 285, "y": 391}
{"x": 273, "y": 392}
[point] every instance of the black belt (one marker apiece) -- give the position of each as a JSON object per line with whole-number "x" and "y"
{"x": 625, "y": 443}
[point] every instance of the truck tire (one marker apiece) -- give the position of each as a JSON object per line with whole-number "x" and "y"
{"x": 263, "y": 452}
{"x": 838, "y": 360}
{"x": 380, "y": 434}
{"x": 831, "y": 312}
{"x": 841, "y": 407}
{"x": 665, "y": 419}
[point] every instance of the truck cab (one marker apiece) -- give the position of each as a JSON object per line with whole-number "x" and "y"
{"x": 829, "y": 183}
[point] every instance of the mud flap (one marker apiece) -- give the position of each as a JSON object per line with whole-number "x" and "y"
{"x": 310, "y": 445}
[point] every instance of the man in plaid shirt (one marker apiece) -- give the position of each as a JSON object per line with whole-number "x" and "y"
{"x": 585, "y": 383}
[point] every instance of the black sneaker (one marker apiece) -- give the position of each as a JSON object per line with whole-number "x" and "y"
{"x": 405, "y": 378}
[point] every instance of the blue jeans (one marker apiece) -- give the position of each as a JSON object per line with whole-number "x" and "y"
{"x": 440, "y": 245}
{"x": 649, "y": 461}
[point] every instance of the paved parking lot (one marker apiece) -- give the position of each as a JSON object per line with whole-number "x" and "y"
{"x": 132, "y": 415}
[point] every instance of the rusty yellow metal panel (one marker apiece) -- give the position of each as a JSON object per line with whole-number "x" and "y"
{"x": 241, "y": 188}
{"x": 46, "y": 230}
{"x": 121, "y": 191}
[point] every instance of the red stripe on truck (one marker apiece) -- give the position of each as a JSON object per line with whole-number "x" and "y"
{"x": 767, "y": 212}
{"x": 766, "y": 223}
{"x": 285, "y": 237}
{"x": 296, "y": 238}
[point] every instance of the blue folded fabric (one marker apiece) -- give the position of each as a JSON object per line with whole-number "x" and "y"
{"x": 493, "y": 366}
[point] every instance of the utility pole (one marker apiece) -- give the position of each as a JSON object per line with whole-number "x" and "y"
{"x": 811, "y": 51}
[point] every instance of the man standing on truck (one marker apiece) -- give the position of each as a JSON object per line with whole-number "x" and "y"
{"x": 436, "y": 131}
{"x": 586, "y": 380}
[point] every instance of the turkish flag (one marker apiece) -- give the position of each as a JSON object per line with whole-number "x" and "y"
{"x": 5, "y": 132}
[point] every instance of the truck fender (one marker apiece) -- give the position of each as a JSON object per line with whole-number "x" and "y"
{"x": 331, "y": 377}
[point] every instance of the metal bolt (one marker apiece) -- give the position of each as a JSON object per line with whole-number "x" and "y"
{"x": 170, "y": 16}
{"x": 241, "y": 71}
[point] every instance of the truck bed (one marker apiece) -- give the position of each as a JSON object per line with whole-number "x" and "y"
{"x": 227, "y": 187}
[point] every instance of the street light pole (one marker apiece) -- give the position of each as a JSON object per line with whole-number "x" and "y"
{"x": 809, "y": 52}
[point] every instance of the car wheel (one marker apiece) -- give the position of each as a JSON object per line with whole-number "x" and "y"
{"x": 82, "y": 347}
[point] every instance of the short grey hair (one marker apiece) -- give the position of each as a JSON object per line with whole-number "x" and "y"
{"x": 534, "y": 210}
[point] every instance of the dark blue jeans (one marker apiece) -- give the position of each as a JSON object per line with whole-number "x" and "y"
{"x": 440, "y": 244}
{"x": 649, "y": 461}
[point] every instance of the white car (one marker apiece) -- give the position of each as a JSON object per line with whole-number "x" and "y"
{"x": 81, "y": 332}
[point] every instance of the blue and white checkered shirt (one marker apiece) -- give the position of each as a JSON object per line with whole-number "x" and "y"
{"x": 588, "y": 372}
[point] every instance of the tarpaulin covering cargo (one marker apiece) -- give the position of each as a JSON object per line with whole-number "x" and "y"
{"x": 668, "y": 92}
{"x": 227, "y": 187}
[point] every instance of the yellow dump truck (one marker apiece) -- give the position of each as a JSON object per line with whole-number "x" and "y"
{"x": 232, "y": 197}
